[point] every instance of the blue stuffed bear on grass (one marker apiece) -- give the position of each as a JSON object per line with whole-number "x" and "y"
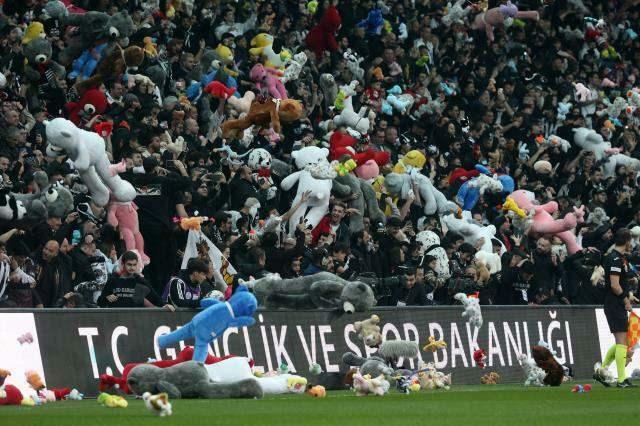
{"x": 209, "y": 324}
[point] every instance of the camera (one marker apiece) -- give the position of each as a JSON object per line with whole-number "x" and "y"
{"x": 382, "y": 287}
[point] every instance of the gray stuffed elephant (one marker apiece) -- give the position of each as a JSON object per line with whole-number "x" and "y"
{"x": 188, "y": 380}
{"x": 321, "y": 290}
{"x": 364, "y": 201}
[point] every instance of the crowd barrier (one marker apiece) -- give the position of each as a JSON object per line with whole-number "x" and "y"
{"x": 73, "y": 347}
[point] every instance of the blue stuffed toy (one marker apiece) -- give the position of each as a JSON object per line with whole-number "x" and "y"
{"x": 194, "y": 91}
{"x": 373, "y": 23}
{"x": 87, "y": 62}
{"x": 210, "y": 323}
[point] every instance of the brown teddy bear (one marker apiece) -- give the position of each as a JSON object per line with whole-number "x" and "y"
{"x": 369, "y": 331}
{"x": 491, "y": 378}
{"x": 545, "y": 360}
{"x": 269, "y": 113}
{"x": 113, "y": 66}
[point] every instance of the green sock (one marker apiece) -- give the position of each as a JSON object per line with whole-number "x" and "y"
{"x": 609, "y": 357}
{"x": 621, "y": 362}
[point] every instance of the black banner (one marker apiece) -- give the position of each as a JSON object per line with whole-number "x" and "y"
{"x": 77, "y": 346}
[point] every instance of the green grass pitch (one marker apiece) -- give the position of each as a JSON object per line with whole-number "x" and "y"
{"x": 471, "y": 405}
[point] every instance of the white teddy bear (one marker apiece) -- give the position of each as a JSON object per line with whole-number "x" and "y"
{"x": 470, "y": 231}
{"x": 472, "y": 311}
{"x": 360, "y": 121}
{"x": 534, "y": 374}
{"x": 590, "y": 140}
{"x": 353, "y": 64}
{"x": 315, "y": 174}
{"x": 294, "y": 67}
{"x": 87, "y": 151}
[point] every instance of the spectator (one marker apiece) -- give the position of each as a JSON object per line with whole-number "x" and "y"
{"x": 54, "y": 278}
{"x": 184, "y": 290}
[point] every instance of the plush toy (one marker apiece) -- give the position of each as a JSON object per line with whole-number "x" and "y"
{"x": 412, "y": 162}
{"x": 455, "y": 13}
{"x": 582, "y": 92}
{"x": 613, "y": 109}
{"x": 11, "y": 395}
{"x": 150, "y": 47}
{"x": 270, "y": 113}
{"x": 362, "y": 198}
{"x": 369, "y": 331}
{"x": 34, "y": 30}
{"x": 195, "y": 90}
{"x": 431, "y": 379}
{"x": 563, "y": 109}
{"x": 219, "y": 90}
{"x": 470, "y": 191}
{"x": 471, "y": 309}
{"x": 108, "y": 381}
{"x": 433, "y": 345}
{"x": 317, "y": 391}
{"x": 34, "y": 380}
{"x": 491, "y": 378}
{"x": 87, "y": 151}
{"x": 361, "y": 121}
{"x": 590, "y": 140}
{"x": 540, "y": 222}
{"x": 373, "y": 23}
{"x": 223, "y": 58}
{"x": 534, "y": 375}
{"x": 353, "y": 64}
{"x": 294, "y": 67}
{"x": 92, "y": 102}
{"x": 123, "y": 216}
{"x": 309, "y": 161}
{"x": 321, "y": 290}
{"x": 547, "y": 362}
{"x": 329, "y": 88}
{"x": 11, "y": 209}
{"x": 118, "y": 64}
{"x": 430, "y": 245}
{"x": 471, "y": 231}
{"x": 47, "y": 199}
{"x": 40, "y": 70}
{"x": 112, "y": 401}
{"x": 501, "y": 16}
{"x": 480, "y": 357}
{"x": 158, "y": 404}
{"x": 433, "y": 200}
{"x": 188, "y": 380}
{"x": 368, "y": 171}
{"x": 210, "y": 323}
{"x": 342, "y": 143}
{"x": 399, "y": 102}
{"x": 268, "y": 78}
{"x": 365, "y": 385}
{"x": 322, "y": 37}
{"x": 243, "y": 104}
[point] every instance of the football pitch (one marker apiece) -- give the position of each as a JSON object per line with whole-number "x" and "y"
{"x": 503, "y": 404}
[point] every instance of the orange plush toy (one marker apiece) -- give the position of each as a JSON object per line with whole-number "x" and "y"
{"x": 34, "y": 379}
{"x": 270, "y": 113}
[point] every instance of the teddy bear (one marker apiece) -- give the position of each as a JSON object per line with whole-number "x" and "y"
{"x": 502, "y": 15}
{"x": 329, "y": 88}
{"x": 309, "y": 161}
{"x": 590, "y": 140}
{"x": 92, "y": 102}
{"x": 455, "y": 13}
{"x": 433, "y": 345}
{"x": 210, "y": 66}
{"x": 373, "y": 23}
{"x": 270, "y": 113}
{"x": 40, "y": 69}
{"x": 219, "y": 90}
{"x": 563, "y": 109}
{"x": 318, "y": 291}
{"x": 613, "y": 109}
{"x": 119, "y": 63}
{"x": 10, "y": 208}
{"x": 322, "y": 36}
{"x": 398, "y": 101}
{"x": 212, "y": 321}
{"x": 361, "y": 121}
{"x": 470, "y": 231}
{"x": 534, "y": 375}
{"x": 294, "y": 67}
{"x": 365, "y": 385}
{"x": 472, "y": 311}
{"x": 538, "y": 219}
{"x": 581, "y": 92}
{"x": 369, "y": 331}
{"x": 188, "y": 380}
{"x": 491, "y": 378}
{"x": 243, "y": 104}
{"x": 123, "y": 216}
{"x": 433, "y": 200}
{"x": 87, "y": 151}
{"x": 368, "y": 171}
{"x": 353, "y": 64}
{"x": 268, "y": 79}
{"x": 547, "y": 362}
{"x": 429, "y": 243}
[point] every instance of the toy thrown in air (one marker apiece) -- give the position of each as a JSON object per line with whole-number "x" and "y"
{"x": 501, "y": 16}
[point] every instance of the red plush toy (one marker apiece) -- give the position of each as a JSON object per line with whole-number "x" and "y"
{"x": 219, "y": 90}
{"x": 323, "y": 36}
{"x": 107, "y": 381}
{"x": 10, "y": 395}
{"x": 92, "y": 102}
{"x": 460, "y": 175}
{"x": 343, "y": 143}
{"x": 479, "y": 357}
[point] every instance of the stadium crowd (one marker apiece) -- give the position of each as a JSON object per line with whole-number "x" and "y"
{"x": 486, "y": 103}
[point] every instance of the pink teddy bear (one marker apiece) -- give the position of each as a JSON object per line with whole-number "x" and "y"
{"x": 124, "y": 217}
{"x": 268, "y": 77}
{"x": 498, "y": 16}
{"x": 545, "y": 224}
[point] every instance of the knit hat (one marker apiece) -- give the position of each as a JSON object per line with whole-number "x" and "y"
{"x": 129, "y": 99}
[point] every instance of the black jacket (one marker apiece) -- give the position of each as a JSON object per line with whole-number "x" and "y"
{"x": 131, "y": 292}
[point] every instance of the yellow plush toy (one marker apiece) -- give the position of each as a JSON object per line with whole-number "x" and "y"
{"x": 112, "y": 401}
{"x": 433, "y": 345}
{"x": 150, "y": 47}
{"x": 225, "y": 55}
{"x": 414, "y": 158}
{"x": 345, "y": 168}
{"x": 262, "y": 45}
{"x": 259, "y": 42}
{"x": 34, "y": 30}
{"x": 317, "y": 391}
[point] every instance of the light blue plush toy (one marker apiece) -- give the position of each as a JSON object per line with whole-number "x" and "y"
{"x": 216, "y": 317}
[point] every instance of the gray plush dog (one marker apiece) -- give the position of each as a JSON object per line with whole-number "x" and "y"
{"x": 188, "y": 380}
{"x": 388, "y": 355}
{"x": 321, "y": 290}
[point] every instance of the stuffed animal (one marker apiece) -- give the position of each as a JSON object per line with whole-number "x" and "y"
{"x": 11, "y": 209}
{"x": 433, "y": 200}
{"x": 590, "y": 140}
{"x": 158, "y": 404}
{"x": 317, "y": 391}
{"x": 34, "y": 380}
{"x": 219, "y": 90}
{"x": 322, "y": 37}
{"x": 268, "y": 78}
{"x": 368, "y": 171}
{"x": 581, "y": 92}
{"x": 342, "y": 143}
{"x": 329, "y": 88}
{"x": 365, "y": 200}
{"x": 540, "y": 222}
{"x": 87, "y": 151}
{"x": 41, "y": 70}
{"x": 270, "y": 113}
{"x": 373, "y": 23}
{"x": 613, "y": 109}
{"x": 150, "y": 47}
{"x": 361, "y": 121}
{"x": 369, "y": 331}
{"x": 501, "y": 16}
{"x": 116, "y": 65}
{"x": 11, "y": 395}
{"x": 294, "y": 67}
{"x": 353, "y": 64}
{"x": 112, "y": 401}
{"x": 470, "y": 191}
{"x": 563, "y": 109}
{"x": 433, "y": 345}
{"x": 429, "y": 378}
{"x": 34, "y": 30}
{"x": 480, "y": 358}
{"x": 491, "y": 378}
{"x": 309, "y": 161}
{"x": 210, "y": 323}
{"x": 455, "y": 13}
{"x": 92, "y": 102}
{"x": 188, "y": 380}
{"x": 365, "y": 385}
{"x": 123, "y": 216}
{"x": 399, "y": 102}
{"x": 243, "y": 104}
{"x": 471, "y": 231}
{"x": 321, "y": 290}
{"x": 534, "y": 375}
{"x": 430, "y": 245}
{"x": 547, "y": 362}
{"x": 471, "y": 309}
